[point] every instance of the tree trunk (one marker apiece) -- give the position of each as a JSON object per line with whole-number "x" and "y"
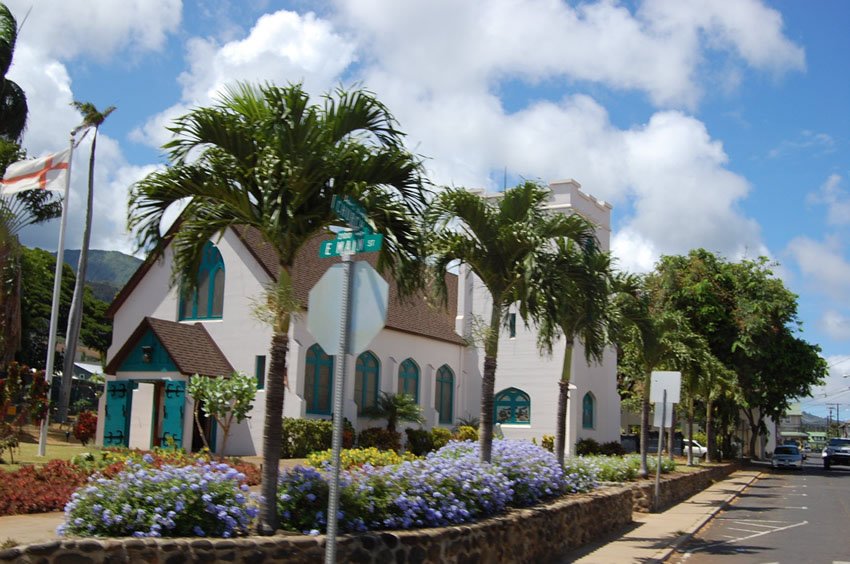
{"x": 691, "y": 431}
{"x": 563, "y": 398}
{"x": 272, "y": 431}
{"x": 75, "y": 317}
{"x": 10, "y": 299}
{"x": 754, "y": 432}
{"x": 488, "y": 381}
{"x": 709, "y": 430}
{"x": 671, "y": 433}
{"x": 644, "y": 428}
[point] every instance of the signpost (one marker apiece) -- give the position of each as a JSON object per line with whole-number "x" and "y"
{"x": 333, "y": 302}
{"x": 664, "y": 390}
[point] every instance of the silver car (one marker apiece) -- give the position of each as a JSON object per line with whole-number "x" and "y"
{"x": 787, "y": 456}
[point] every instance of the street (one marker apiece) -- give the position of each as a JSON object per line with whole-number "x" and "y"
{"x": 786, "y": 516}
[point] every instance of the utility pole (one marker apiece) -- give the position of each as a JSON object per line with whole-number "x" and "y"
{"x": 829, "y": 422}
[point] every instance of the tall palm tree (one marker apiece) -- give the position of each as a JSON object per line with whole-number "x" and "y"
{"x": 92, "y": 120}
{"x": 571, "y": 299}
{"x": 13, "y": 101}
{"x": 266, "y": 158}
{"x": 500, "y": 239}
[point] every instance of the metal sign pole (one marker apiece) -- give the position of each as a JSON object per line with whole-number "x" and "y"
{"x": 339, "y": 379}
{"x": 660, "y": 442}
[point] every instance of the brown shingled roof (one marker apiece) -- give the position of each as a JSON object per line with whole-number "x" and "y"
{"x": 189, "y": 346}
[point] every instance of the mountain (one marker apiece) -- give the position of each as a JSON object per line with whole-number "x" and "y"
{"x": 106, "y": 271}
{"x": 809, "y": 419}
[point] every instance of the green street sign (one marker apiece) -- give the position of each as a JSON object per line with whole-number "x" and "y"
{"x": 350, "y": 212}
{"x": 351, "y": 243}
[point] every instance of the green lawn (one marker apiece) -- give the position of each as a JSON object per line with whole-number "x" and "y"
{"x": 28, "y": 454}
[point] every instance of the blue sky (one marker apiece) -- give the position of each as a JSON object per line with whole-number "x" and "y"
{"x": 705, "y": 123}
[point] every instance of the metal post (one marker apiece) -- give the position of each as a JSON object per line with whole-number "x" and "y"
{"x": 54, "y": 310}
{"x": 660, "y": 443}
{"x": 339, "y": 378}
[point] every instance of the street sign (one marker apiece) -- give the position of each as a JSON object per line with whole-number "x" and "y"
{"x": 350, "y": 243}
{"x": 350, "y": 212}
{"x": 369, "y": 294}
{"x": 661, "y": 380}
{"x": 668, "y": 415}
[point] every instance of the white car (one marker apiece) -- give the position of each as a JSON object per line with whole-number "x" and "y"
{"x": 698, "y": 449}
{"x": 787, "y": 456}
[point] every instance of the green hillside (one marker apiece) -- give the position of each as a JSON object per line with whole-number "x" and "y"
{"x": 106, "y": 271}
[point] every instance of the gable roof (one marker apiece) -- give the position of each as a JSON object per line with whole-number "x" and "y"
{"x": 412, "y": 315}
{"x": 189, "y": 346}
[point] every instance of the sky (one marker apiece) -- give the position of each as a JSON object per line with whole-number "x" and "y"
{"x": 720, "y": 124}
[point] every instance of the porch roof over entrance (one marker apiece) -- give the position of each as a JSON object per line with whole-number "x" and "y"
{"x": 190, "y": 347}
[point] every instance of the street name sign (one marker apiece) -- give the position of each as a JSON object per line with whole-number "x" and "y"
{"x": 350, "y": 243}
{"x": 350, "y": 212}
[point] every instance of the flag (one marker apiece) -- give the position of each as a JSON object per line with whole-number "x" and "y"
{"x": 46, "y": 173}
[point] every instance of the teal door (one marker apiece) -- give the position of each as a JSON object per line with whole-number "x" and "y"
{"x": 116, "y": 426}
{"x": 173, "y": 405}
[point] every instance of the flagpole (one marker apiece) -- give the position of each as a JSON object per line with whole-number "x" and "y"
{"x": 54, "y": 311}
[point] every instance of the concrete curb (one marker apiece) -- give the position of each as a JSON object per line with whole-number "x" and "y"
{"x": 665, "y": 553}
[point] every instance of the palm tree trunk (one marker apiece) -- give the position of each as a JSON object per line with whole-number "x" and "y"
{"x": 75, "y": 317}
{"x": 671, "y": 433}
{"x": 690, "y": 431}
{"x": 644, "y": 428}
{"x": 488, "y": 382}
{"x": 709, "y": 430}
{"x": 272, "y": 433}
{"x": 563, "y": 398}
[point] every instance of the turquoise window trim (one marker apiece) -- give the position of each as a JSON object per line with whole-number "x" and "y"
{"x": 512, "y": 406}
{"x": 588, "y": 411}
{"x": 367, "y": 381}
{"x": 260, "y": 371}
{"x": 445, "y": 394}
{"x": 316, "y": 362}
{"x": 408, "y": 378}
{"x": 148, "y": 355}
{"x": 211, "y": 265}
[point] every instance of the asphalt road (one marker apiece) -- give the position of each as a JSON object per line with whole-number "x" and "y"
{"x": 786, "y": 517}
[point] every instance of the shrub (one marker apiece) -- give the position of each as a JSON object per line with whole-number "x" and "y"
{"x": 300, "y": 437}
{"x": 357, "y": 457}
{"x": 419, "y": 441}
{"x": 613, "y": 468}
{"x": 38, "y": 489}
{"x": 612, "y": 448}
{"x": 440, "y": 437}
{"x": 380, "y": 438}
{"x": 85, "y": 426}
{"x": 587, "y": 446}
{"x": 548, "y": 442}
{"x": 171, "y": 501}
{"x": 465, "y": 433}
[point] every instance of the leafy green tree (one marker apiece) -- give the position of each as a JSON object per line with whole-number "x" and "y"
{"x": 395, "y": 408}
{"x": 571, "y": 299}
{"x": 267, "y": 158}
{"x": 224, "y": 399}
{"x": 500, "y": 239}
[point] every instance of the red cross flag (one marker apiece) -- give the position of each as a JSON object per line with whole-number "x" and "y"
{"x": 46, "y": 173}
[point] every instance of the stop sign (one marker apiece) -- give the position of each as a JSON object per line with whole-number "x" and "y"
{"x": 369, "y": 293}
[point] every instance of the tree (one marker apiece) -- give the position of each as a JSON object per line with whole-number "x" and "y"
{"x": 223, "y": 399}
{"x": 395, "y": 408}
{"x": 13, "y": 101}
{"x": 501, "y": 240}
{"x": 571, "y": 298}
{"x": 92, "y": 119}
{"x": 266, "y": 158}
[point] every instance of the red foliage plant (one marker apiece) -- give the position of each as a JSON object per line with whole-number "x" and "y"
{"x": 85, "y": 427}
{"x": 39, "y": 489}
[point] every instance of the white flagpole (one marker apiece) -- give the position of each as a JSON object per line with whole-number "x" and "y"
{"x": 54, "y": 311}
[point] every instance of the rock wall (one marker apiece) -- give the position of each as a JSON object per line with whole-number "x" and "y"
{"x": 539, "y": 534}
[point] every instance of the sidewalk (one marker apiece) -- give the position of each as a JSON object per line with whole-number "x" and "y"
{"x": 654, "y": 537}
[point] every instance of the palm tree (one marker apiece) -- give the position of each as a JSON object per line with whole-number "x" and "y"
{"x": 13, "y": 101}
{"x": 92, "y": 119}
{"x": 395, "y": 408}
{"x": 266, "y": 158}
{"x": 500, "y": 239}
{"x": 571, "y": 299}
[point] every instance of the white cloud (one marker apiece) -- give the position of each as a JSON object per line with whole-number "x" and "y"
{"x": 836, "y": 199}
{"x": 836, "y": 325}
{"x": 823, "y": 265}
{"x": 806, "y": 141}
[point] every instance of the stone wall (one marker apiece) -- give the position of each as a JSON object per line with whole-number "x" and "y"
{"x": 538, "y": 534}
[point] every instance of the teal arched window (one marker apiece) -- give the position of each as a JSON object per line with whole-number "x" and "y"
{"x": 408, "y": 379}
{"x": 318, "y": 381}
{"x": 445, "y": 394}
{"x": 207, "y": 300}
{"x": 366, "y": 381}
{"x": 588, "y": 411}
{"x": 512, "y": 406}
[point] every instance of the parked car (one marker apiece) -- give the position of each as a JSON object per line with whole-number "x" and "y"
{"x": 837, "y": 451}
{"x": 787, "y": 456}
{"x": 698, "y": 449}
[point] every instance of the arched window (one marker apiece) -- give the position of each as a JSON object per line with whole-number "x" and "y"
{"x": 318, "y": 381}
{"x": 366, "y": 381}
{"x": 408, "y": 379}
{"x": 588, "y": 409}
{"x": 445, "y": 393}
{"x": 207, "y": 300}
{"x": 512, "y": 406}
